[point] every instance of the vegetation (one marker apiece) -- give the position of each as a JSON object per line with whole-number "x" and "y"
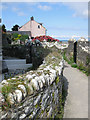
{"x": 3, "y": 28}
{"x": 44, "y": 37}
{"x": 51, "y": 56}
{"x": 18, "y": 51}
{"x": 16, "y": 36}
{"x": 62, "y": 99}
{"x": 9, "y": 88}
{"x": 24, "y": 37}
{"x": 15, "y": 27}
{"x": 79, "y": 66}
{"x": 74, "y": 65}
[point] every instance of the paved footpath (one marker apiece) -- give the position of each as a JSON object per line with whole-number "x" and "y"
{"x": 76, "y": 105}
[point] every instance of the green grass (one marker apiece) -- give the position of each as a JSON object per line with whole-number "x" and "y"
{"x": 80, "y": 66}
{"x": 74, "y": 65}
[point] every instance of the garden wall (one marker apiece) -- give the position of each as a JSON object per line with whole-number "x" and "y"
{"x": 44, "y": 101}
{"x": 20, "y": 32}
{"x": 37, "y": 93}
{"x": 69, "y": 50}
{"x": 83, "y": 55}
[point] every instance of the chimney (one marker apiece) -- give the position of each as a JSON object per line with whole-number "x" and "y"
{"x": 40, "y": 23}
{"x": 32, "y": 18}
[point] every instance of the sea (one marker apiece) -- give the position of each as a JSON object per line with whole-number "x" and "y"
{"x": 64, "y": 41}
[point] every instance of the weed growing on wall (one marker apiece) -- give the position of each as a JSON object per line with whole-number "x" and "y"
{"x": 80, "y": 66}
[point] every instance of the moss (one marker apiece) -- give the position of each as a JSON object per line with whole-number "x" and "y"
{"x": 11, "y": 87}
{"x": 46, "y": 72}
{"x": 36, "y": 106}
{"x": 57, "y": 80}
{"x": 42, "y": 111}
{"x": 53, "y": 96}
{"x": 27, "y": 88}
{"x": 39, "y": 73}
{"x": 6, "y": 89}
{"x": 47, "y": 110}
{"x": 61, "y": 109}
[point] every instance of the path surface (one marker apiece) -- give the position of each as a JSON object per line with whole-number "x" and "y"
{"x": 76, "y": 105}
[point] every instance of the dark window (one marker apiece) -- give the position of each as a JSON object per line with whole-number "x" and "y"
{"x": 39, "y": 26}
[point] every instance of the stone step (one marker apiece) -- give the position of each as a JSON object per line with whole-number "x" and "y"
{"x": 13, "y": 62}
{"x": 18, "y": 66}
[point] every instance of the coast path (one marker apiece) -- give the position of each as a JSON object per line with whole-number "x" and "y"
{"x": 76, "y": 105}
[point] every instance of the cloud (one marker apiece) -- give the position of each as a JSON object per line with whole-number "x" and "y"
{"x": 44, "y": 7}
{"x": 21, "y": 14}
{"x": 66, "y": 37}
{"x": 18, "y": 11}
{"x": 15, "y": 9}
{"x": 66, "y": 28}
{"x": 80, "y": 9}
{"x": 3, "y": 7}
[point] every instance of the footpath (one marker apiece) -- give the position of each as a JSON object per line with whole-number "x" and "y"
{"x": 76, "y": 105}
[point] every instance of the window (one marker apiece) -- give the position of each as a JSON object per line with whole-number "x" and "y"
{"x": 39, "y": 26}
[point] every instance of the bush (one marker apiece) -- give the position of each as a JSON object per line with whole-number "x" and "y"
{"x": 18, "y": 51}
{"x": 74, "y": 65}
{"x": 14, "y": 35}
{"x": 24, "y": 37}
{"x": 44, "y": 37}
{"x": 69, "y": 62}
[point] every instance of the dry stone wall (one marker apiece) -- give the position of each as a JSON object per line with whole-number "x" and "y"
{"x": 44, "y": 101}
{"x": 35, "y": 94}
{"x": 82, "y": 52}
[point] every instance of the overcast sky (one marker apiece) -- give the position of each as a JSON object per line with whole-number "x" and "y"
{"x": 62, "y": 20}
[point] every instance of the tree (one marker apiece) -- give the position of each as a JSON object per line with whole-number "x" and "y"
{"x": 15, "y": 28}
{"x": 15, "y": 35}
{"x": 24, "y": 37}
{"x": 3, "y": 28}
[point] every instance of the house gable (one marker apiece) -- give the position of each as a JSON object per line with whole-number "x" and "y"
{"x": 25, "y": 27}
{"x": 36, "y": 28}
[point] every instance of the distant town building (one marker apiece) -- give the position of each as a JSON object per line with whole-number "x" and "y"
{"x": 35, "y": 28}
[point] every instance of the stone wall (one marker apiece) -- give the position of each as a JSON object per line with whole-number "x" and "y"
{"x": 82, "y": 52}
{"x": 44, "y": 101}
{"x": 20, "y": 32}
{"x": 70, "y": 49}
{"x": 35, "y": 94}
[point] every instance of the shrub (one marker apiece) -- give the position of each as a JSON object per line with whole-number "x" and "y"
{"x": 24, "y": 37}
{"x": 14, "y": 35}
{"x": 18, "y": 51}
{"x": 69, "y": 62}
{"x": 44, "y": 37}
{"x": 74, "y": 65}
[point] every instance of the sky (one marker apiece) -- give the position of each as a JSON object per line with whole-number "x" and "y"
{"x": 63, "y": 20}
